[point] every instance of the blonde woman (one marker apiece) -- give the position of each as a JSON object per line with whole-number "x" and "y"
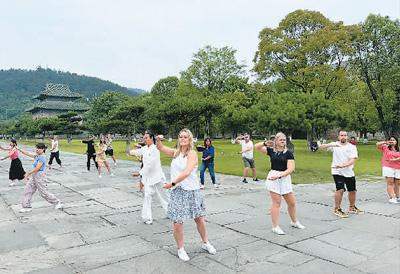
{"x": 279, "y": 182}
{"x": 101, "y": 159}
{"x": 186, "y": 199}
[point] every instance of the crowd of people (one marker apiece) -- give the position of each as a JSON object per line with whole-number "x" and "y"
{"x": 181, "y": 196}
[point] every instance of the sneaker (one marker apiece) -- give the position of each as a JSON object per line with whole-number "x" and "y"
{"x": 339, "y": 212}
{"x": 355, "y": 210}
{"x": 183, "y": 255}
{"x": 115, "y": 163}
{"x": 12, "y": 184}
{"x": 100, "y": 176}
{"x": 148, "y": 222}
{"x": 209, "y": 248}
{"x": 216, "y": 185}
{"x": 297, "y": 224}
{"x": 278, "y": 230}
{"x": 112, "y": 175}
{"x": 244, "y": 181}
{"x": 391, "y": 200}
{"x": 25, "y": 209}
{"x": 59, "y": 205}
{"x": 201, "y": 186}
{"x": 255, "y": 179}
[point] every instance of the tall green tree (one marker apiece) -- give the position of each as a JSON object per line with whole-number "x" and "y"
{"x": 307, "y": 51}
{"x": 212, "y": 68}
{"x": 377, "y": 58}
{"x": 166, "y": 86}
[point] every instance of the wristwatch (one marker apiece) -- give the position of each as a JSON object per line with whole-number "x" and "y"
{"x": 173, "y": 183}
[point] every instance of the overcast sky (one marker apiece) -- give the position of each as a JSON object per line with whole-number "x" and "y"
{"x": 135, "y": 43}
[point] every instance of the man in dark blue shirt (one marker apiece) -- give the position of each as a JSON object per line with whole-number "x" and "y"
{"x": 207, "y": 161}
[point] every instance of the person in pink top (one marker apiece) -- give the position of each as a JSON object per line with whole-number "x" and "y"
{"x": 391, "y": 167}
{"x": 16, "y": 170}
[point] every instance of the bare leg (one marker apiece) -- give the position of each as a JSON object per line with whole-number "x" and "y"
{"x": 390, "y": 181}
{"x": 201, "y": 228}
{"x": 253, "y": 171}
{"x": 245, "y": 171}
{"x": 352, "y": 198}
{"x": 291, "y": 202}
{"x": 108, "y": 167}
{"x": 397, "y": 187}
{"x": 178, "y": 234}
{"x": 275, "y": 207}
{"x": 338, "y": 198}
{"x": 100, "y": 166}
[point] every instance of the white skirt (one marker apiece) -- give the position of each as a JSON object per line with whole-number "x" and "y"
{"x": 281, "y": 186}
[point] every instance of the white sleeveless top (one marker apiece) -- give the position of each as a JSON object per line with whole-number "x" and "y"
{"x": 178, "y": 165}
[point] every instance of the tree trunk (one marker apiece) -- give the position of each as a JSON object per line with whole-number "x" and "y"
{"x": 377, "y": 105}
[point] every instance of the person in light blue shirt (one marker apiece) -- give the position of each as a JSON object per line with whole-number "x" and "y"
{"x": 36, "y": 180}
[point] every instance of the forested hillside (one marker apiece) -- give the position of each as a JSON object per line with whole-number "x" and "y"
{"x": 17, "y": 87}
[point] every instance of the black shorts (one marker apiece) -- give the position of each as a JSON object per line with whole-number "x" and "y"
{"x": 110, "y": 152}
{"x": 341, "y": 181}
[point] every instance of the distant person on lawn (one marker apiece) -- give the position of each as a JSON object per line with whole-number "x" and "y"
{"x": 247, "y": 156}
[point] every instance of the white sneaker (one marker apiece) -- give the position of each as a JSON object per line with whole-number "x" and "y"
{"x": 115, "y": 164}
{"x": 12, "y": 184}
{"x": 59, "y": 205}
{"x": 25, "y": 209}
{"x": 183, "y": 255}
{"x": 216, "y": 185}
{"x": 112, "y": 175}
{"x": 393, "y": 201}
{"x": 201, "y": 186}
{"x": 297, "y": 224}
{"x": 278, "y": 230}
{"x": 100, "y": 176}
{"x": 209, "y": 248}
{"x": 148, "y": 222}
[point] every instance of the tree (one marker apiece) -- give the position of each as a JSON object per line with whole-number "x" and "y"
{"x": 211, "y": 69}
{"x": 377, "y": 59}
{"x": 165, "y": 86}
{"x": 69, "y": 123}
{"x": 97, "y": 117}
{"x": 47, "y": 124}
{"x": 307, "y": 51}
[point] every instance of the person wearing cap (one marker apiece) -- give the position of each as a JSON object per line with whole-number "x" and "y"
{"x": 38, "y": 180}
{"x": 16, "y": 172}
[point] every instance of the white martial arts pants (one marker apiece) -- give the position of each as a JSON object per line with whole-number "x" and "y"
{"x": 149, "y": 191}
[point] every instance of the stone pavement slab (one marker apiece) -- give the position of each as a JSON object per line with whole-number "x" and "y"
{"x": 100, "y": 229}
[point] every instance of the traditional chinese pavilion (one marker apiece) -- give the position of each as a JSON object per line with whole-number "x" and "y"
{"x": 57, "y": 99}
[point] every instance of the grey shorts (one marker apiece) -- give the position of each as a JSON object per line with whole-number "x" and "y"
{"x": 248, "y": 162}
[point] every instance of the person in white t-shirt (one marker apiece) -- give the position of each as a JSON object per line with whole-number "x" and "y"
{"x": 344, "y": 157}
{"x": 54, "y": 151}
{"x": 247, "y": 156}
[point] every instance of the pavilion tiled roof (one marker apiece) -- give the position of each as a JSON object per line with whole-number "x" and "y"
{"x": 57, "y": 90}
{"x": 61, "y": 106}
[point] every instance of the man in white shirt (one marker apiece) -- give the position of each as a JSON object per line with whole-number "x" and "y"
{"x": 152, "y": 174}
{"x": 247, "y": 155}
{"x": 343, "y": 159}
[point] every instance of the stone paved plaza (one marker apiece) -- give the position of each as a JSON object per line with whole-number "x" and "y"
{"x": 100, "y": 230}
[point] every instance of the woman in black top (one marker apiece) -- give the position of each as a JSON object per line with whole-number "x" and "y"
{"x": 91, "y": 152}
{"x": 279, "y": 182}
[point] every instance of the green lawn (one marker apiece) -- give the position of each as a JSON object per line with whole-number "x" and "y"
{"x": 311, "y": 167}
